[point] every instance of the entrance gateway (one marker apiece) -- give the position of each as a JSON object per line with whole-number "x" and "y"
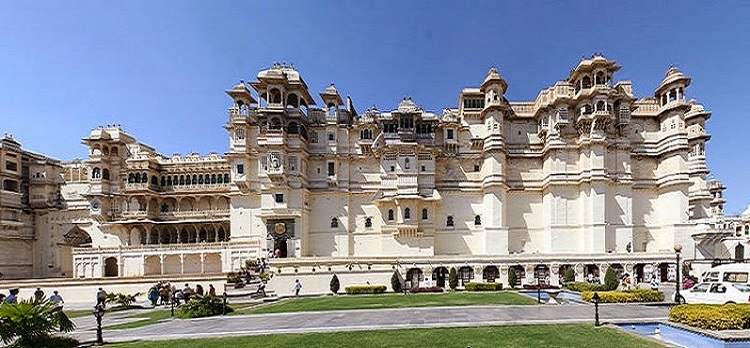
{"x": 280, "y": 234}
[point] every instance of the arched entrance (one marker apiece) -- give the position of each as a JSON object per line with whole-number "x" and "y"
{"x": 739, "y": 253}
{"x": 413, "y": 276}
{"x": 541, "y": 273}
{"x": 490, "y": 273}
{"x": 618, "y": 268}
{"x": 439, "y": 275}
{"x": 592, "y": 273}
{"x": 110, "y": 267}
{"x": 279, "y": 233}
{"x": 465, "y": 274}
{"x": 74, "y": 238}
{"x": 520, "y": 274}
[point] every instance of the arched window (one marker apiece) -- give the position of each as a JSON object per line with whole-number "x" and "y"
{"x": 163, "y": 181}
{"x": 96, "y": 173}
{"x": 200, "y": 179}
{"x": 424, "y": 214}
{"x": 195, "y": 179}
{"x": 331, "y": 137}
{"x": 213, "y": 178}
{"x": 586, "y": 82}
{"x": 105, "y": 174}
{"x": 274, "y": 96}
{"x": 390, "y": 214}
{"x": 368, "y": 222}
{"x": 407, "y": 213}
{"x": 144, "y": 178}
{"x": 292, "y": 100}
{"x": 154, "y": 180}
{"x": 449, "y": 221}
{"x": 407, "y": 165}
{"x": 226, "y": 178}
{"x": 600, "y": 106}
{"x": 334, "y": 223}
{"x": 219, "y": 179}
{"x": 599, "y": 79}
{"x": 182, "y": 180}
{"x": 169, "y": 181}
{"x": 477, "y": 220}
{"x": 131, "y": 178}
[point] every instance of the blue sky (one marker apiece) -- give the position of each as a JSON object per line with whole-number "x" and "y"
{"x": 160, "y": 68}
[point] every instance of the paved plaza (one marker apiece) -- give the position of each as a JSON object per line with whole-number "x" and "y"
{"x": 354, "y": 320}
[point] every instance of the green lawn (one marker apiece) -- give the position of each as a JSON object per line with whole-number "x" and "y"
{"x": 572, "y": 335}
{"x": 152, "y": 318}
{"x": 329, "y": 303}
{"x": 79, "y": 313}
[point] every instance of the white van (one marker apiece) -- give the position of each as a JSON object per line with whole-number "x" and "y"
{"x": 731, "y": 273}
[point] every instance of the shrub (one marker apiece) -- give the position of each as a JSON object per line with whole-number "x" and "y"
{"x": 204, "y": 306}
{"x": 334, "y": 285}
{"x": 570, "y": 275}
{"x": 610, "y": 279}
{"x": 30, "y": 323}
{"x": 637, "y": 295}
{"x": 396, "y": 282}
{"x": 583, "y": 286}
{"x": 512, "y": 277}
{"x": 712, "y": 317}
{"x": 543, "y": 286}
{"x": 122, "y": 300}
{"x": 453, "y": 278}
{"x": 483, "y": 286}
{"x": 365, "y": 289}
{"x": 417, "y": 289}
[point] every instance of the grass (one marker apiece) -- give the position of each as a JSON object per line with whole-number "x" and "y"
{"x": 571, "y": 335}
{"x": 152, "y": 317}
{"x": 330, "y": 303}
{"x": 79, "y": 313}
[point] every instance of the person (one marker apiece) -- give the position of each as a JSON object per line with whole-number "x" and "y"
{"x": 297, "y": 287}
{"x": 164, "y": 294}
{"x": 277, "y": 253}
{"x": 199, "y": 290}
{"x": 56, "y": 299}
{"x": 262, "y": 288}
{"x": 654, "y": 284}
{"x": 211, "y": 290}
{"x": 101, "y": 298}
{"x": 2, "y": 299}
{"x": 153, "y": 295}
{"x": 270, "y": 254}
{"x": 38, "y": 294}
{"x": 12, "y": 298}
{"x": 187, "y": 292}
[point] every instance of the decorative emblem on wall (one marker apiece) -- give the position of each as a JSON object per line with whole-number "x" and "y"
{"x": 279, "y": 228}
{"x": 275, "y": 159}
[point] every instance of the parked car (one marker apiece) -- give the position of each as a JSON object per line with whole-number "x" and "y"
{"x": 716, "y": 293}
{"x": 733, "y": 273}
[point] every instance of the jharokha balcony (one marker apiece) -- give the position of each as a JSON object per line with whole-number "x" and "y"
{"x": 208, "y": 214}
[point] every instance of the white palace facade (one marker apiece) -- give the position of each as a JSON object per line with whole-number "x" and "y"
{"x": 586, "y": 176}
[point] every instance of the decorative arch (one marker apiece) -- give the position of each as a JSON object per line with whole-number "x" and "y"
{"x": 110, "y": 267}
{"x": 77, "y": 237}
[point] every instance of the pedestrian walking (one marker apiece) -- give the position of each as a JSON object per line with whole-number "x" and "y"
{"x": 13, "y": 297}
{"x": 38, "y": 294}
{"x": 199, "y": 290}
{"x": 101, "y": 298}
{"x": 56, "y": 299}
{"x": 211, "y": 290}
{"x": 297, "y": 287}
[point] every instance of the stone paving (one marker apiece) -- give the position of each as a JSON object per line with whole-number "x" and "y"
{"x": 353, "y": 320}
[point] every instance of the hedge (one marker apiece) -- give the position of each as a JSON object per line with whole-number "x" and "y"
{"x": 712, "y": 317}
{"x": 417, "y": 289}
{"x": 365, "y": 289}
{"x": 483, "y": 286}
{"x": 583, "y": 286}
{"x": 637, "y": 295}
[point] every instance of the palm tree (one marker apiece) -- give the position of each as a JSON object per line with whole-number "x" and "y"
{"x": 32, "y": 321}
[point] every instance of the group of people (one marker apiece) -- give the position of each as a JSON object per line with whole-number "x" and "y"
{"x": 12, "y": 297}
{"x": 164, "y": 293}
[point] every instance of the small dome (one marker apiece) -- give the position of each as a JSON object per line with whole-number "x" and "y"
{"x": 494, "y": 77}
{"x": 673, "y": 75}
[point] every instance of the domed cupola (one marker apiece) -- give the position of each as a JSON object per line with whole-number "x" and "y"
{"x": 672, "y": 87}
{"x": 494, "y": 83}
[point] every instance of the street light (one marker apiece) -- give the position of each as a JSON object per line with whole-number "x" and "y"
{"x": 677, "y": 250}
{"x": 539, "y": 290}
{"x": 224, "y": 307}
{"x": 596, "y": 308}
{"x": 173, "y": 300}
{"x": 99, "y": 314}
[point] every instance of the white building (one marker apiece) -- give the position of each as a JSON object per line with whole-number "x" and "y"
{"x": 587, "y": 176}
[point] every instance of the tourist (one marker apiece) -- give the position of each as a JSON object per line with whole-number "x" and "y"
{"x": 164, "y": 294}
{"x": 211, "y": 290}
{"x": 56, "y": 299}
{"x": 297, "y": 287}
{"x": 38, "y": 294}
{"x": 186, "y": 293}
{"x": 277, "y": 253}
{"x": 153, "y": 295}
{"x": 13, "y": 297}
{"x": 2, "y": 299}
{"x": 101, "y": 298}
{"x": 262, "y": 288}
{"x": 199, "y": 290}
{"x": 654, "y": 284}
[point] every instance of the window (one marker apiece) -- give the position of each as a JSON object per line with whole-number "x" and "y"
{"x": 10, "y": 185}
{"x": 736, "y": 277}
{"x": 424, "y": 214}
{"x": 314, "y": 137}
{"x": 331, "y": 169}
{"x": 406, "y": 163}
{"x": 240, "y": 169}
{"x": 701, "y": 287}
{"x": 449, "y": 134}
{"x": 476, "y": 167}
{"x": 449, "y": 221}
{"x": 368, "y": 222}
{"x": 390, "y": 214}
{"x": 334, "y": 223}
{"x": 105, "y": 174}
{"x": 279, "y": 197}
{"x": 407, "y": 213}
{"x": 477, "y": 220}
{"x": 11, "y": 166}
{"x": 331, "y": 137}
{"x": 393, "y": 168}
{"x": 423, "y": 168}
{"x": 239, "y": 134}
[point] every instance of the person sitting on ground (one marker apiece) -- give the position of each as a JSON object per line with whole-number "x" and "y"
{"x": 56, "y": 299}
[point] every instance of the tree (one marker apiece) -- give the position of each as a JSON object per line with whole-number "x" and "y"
{"x": 512, "y": 277}
{"x": 396, "y": 282}
{"x": 569, "y": 275}
{"x": 335, "y": 285}
{"x": 453, "y": 278}
{"x": 610, "y": 279}
{"x": 31, "y": 322}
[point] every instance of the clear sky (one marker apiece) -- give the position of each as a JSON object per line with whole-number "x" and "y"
{"x": 160, "y": 68}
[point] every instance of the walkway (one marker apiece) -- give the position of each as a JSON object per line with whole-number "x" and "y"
{"x": 354, "y": 320}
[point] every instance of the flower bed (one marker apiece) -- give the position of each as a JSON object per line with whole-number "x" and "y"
{"x": 712, "y": 317}
{"x": 637, "y": 295}
{"x": 483, "y": 286}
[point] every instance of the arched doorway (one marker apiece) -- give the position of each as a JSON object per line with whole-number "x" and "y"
{"x": 279, "y": 234}
{"x": 490, "y": 273}
{"x": 592, "y": 273}
{"x": 74, "y": 238}
{"x": 413, "y": 276}
{"x": 739, "y": 253}
{"x": 439, "y": 275}
{"x": 618, "y": 268}
{"x": 541, "y": 273}
{"x": 110, "y": 267}
{"x": 520, "y": 274}
{"x": 465, "y": 274}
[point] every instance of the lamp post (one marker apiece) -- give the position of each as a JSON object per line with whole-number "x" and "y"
{"x": 539, "y": 290}
{"x": 224, "y": 307}
{"x": 677, "y": 297}
{"x": 596, "y": 308}
{"x": 99, "y": 314}
{"x": 173, "y": 299}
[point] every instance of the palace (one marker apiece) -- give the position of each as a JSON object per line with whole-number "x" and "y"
{"x": 586, "y": 176}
